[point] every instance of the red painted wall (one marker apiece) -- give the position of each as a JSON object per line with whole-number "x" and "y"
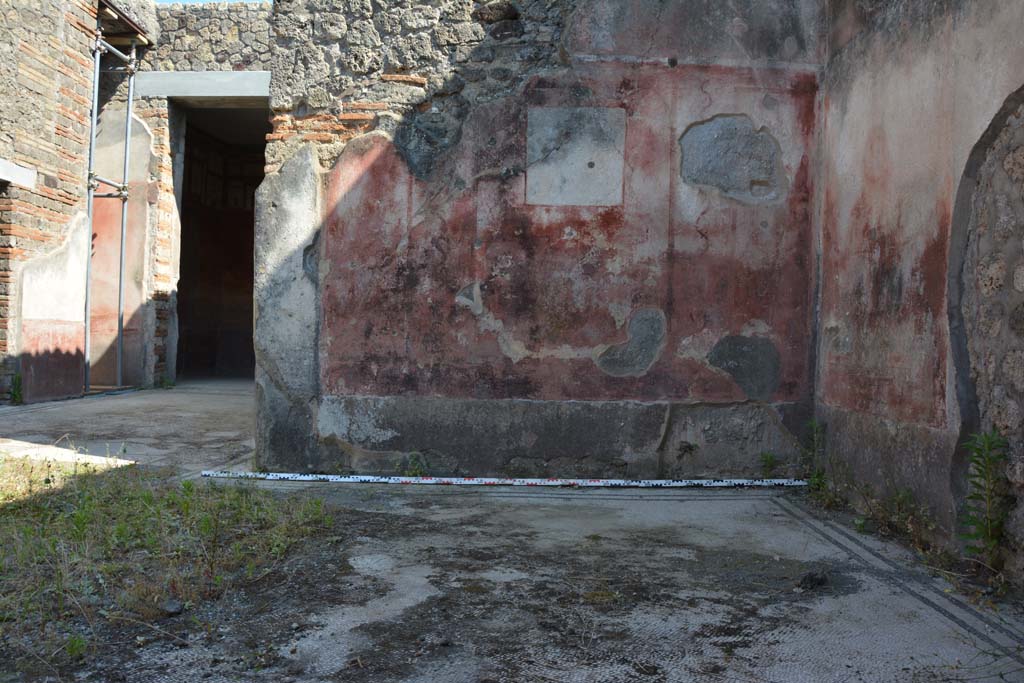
{"x": 559, "y": 281}
{"x": 106, "y": 252}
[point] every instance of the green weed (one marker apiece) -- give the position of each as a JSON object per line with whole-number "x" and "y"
{"x": 76, "y": 646}
{"x": 988, "y": 503}
{"x": 17, "y": 393}
{"x": 415, "y": 466}
{"x": 769, "y": 463}
{"x": 827, "y": 477}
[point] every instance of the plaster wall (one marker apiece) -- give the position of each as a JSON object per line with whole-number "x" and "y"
{"x": 909, "y": 90}
{"x": 106, "y": 255}
{"x": 572, "y": 282}
{"x": 53, "y": 317}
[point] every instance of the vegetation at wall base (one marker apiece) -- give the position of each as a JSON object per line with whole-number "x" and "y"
{"x": 988, "y": 502}
{"x": 83, "y": 548}
{"x": 17, "y": 394}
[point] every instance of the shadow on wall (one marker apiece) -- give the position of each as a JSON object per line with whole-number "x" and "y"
{"x": 49, "y": 375}
{"x": 52, "y": 363}
{"x": 528, "y": 287}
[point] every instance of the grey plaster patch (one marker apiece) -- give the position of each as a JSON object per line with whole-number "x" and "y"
{"x": 287, "y": 303}
{"x": 575, "y": 156}
{"x": 325, "y": 649}
{"x": 727, "y": 152}
{"x": 423, "y": 138}
{"x": 704, "y": 441}
{"x": 514, "y": 437}
{"x": 752, "y": 362}
{"x": 636, "y": 356}
{"x": 204, "y": 84}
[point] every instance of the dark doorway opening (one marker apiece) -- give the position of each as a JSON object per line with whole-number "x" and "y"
{"x": 223, "y": 166}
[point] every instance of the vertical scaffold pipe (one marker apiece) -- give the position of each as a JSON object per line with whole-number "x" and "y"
{"x": 132, "y": 64}
{"x": 97, "y": 54}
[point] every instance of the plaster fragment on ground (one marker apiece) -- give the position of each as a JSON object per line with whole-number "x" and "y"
{"x": 326, "y": 649}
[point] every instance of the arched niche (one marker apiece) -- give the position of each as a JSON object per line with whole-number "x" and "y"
{"x": 986, "y": 292}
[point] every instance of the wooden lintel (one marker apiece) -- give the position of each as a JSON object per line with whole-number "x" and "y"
{"x": 126, "y": 39}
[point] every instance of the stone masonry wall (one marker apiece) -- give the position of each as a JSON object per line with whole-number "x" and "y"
{"x": 538, "y": 237}
{"x": 412, "y": 70}
{"x": 46, "y": 58}
{"x": 992, "y": 303}
{"x": 211, "y": 37}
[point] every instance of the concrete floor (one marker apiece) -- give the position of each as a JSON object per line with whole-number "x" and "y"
{"x": 483, "y": 585}
{"x": 194, "y": 426}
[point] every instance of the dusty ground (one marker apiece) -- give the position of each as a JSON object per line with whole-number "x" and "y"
{"x": 194, "y": 426}
{"x": 427, "y": 584}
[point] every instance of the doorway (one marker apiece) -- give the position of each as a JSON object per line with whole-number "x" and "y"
{"x": 223, "y": 166}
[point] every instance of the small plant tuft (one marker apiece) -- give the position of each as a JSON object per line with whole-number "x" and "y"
{"x": 415, "y": 466}
{"x": 769, "y": 463}
{"x": 813, "y": 452}
{"x": 988, "y": 503}
{"x": 75, "y": 646}
{"x": 822, "y": 470}
{"x": 17, "y": 392}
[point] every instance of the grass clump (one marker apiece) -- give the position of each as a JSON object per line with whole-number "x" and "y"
{"x": 824, "y": 472}
{"x": 898, "y": 515}
{"x": 83, "y": 547}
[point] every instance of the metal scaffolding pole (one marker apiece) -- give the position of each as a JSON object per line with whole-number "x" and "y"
{"x": 97, "y": 54}
{"x": 101, "y": 47}
{"x": 124, "y": 215}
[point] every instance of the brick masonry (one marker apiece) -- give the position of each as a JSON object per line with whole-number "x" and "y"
{"x": 45, "y": 55}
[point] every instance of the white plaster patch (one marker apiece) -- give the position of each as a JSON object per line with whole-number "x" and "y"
{"x": 620, "y": 311}
{"x": 336, "y": 418}
{"x": 575, "y": 156}
{"x": 53, "y": 286}
{"x": 755, "y": 328}
{"x": 16, "y": 173}
{"x": 325, "y": 649}
{"x": 697, "y": 346}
